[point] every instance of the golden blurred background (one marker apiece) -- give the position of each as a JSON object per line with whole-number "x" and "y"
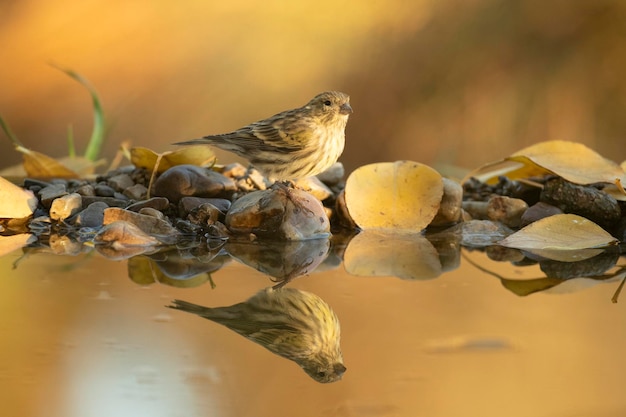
{"x": 458, "y": 82}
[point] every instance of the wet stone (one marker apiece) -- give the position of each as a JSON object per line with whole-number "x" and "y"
{"x": 157, "y": 203}
{"x": 50, "y": 193}
{"x": 29, "y": 183}
{"x": 450, "y": 207}
{"x": 92, "y": 216}
{"x": 136, "y": 192}
{"x": 120, "y": 182}
{"x": 204, "y": 214}
{"x": 187, "y": 204}
{"x": 153, "y": 226}
{"x": 66, "y": 206}
{"x": 278, "y": 213}
{"x": 149, "y": 211}
{"x": 189, "y": 180}
{"x": 103, "y": 190}
{"x": 507, "y": 210}
{"x": 537, "y": 212}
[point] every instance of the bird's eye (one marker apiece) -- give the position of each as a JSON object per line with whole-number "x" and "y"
{"x": 327, "y": 103}
{"x": 321, "y": 374}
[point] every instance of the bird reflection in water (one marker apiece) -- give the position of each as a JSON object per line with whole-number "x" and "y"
{"x": 291, "y": 323}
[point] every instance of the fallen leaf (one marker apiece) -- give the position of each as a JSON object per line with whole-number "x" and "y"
{"x": 194, "y": 155}
{"x": 570, "y": 160}
{"x": 394, "y": 195}
{"x": 17, "y": 203}
{"x": 38, "y": 165}
{"x": 559, "y": 232}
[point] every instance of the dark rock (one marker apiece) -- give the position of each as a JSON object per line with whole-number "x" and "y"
{"x": 86, "y": 190}
{"x": 537, "y": 212}
{"x": 585, "y": 201}
{"x": 109, "y": 201}
{"x": 189, "y": 180}
{"x": 104, "y": 190}
{"x": 136, "y": 192}
{"x": 187, "y": 204}
{"x": 120, "y": 182}
{"x": 50, "y": 193}
{"x": 204, "y": 214}
{"x": 92, "y": 216}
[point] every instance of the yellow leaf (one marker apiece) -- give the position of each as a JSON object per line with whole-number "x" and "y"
{"x": 38, "y": 165}
{"x": 394, "y": 195}
{"x": 16, "y": 203}
{"x": 572, "y": 161}
{"x": 560, "y": 232}
{"x": 193, "y": 155}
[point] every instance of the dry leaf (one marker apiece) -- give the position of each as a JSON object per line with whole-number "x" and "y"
{"x": 38, "y": 165}
{"x": 17, "y": 203}
{"x": 559, "y": 232}
{"x": 194, "y": 155}
{"x": 572, "y": 161}
{"x": 394, "y": 195}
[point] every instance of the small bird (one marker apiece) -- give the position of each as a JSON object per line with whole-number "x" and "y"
{"x": 293, "y": 144}
{"x": 294, "y": 324}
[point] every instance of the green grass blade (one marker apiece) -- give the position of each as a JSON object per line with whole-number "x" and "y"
{"x": 97, "y": 135}
{"x": 7, "y": 131}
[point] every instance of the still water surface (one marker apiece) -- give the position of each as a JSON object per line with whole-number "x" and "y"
{"x": 81, "y": 339}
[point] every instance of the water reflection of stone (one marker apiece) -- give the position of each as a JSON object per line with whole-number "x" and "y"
{"x": 281, "y": 260}
{"x": 294, "y": 324}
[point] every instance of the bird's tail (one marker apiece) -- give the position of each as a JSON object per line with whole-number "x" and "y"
{"x": 187, "y": 306}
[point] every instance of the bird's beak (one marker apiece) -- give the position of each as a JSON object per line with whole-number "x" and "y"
{"x": 345, "y": 109}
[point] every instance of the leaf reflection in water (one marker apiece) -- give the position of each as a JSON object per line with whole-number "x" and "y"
{"x": 291, "y": 323}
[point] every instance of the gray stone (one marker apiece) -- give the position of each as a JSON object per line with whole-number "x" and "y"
{"x": 136, "y": 192}
{"x": 92, "y": 216}
{"x": 120, "y": 182}
{"x": 50, "y": 193}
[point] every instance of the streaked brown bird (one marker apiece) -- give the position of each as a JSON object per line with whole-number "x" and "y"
{"x": 294, "y": 324}
{"x": 293, "y": 144}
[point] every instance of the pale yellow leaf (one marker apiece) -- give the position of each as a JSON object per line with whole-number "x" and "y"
{"x": 385, "y": 253}
{"x": 193, "y": 155}
{"x": 38, "y": 165}
{"x": 560, "y": 232}
{"x": 393, "y": 195}
{"x": 573, "y": 161}
{"x": 570, "y": 160}
{"x": 17, "y": 202}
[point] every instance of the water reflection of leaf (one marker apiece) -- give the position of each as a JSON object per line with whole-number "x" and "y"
{"x": 178, "y": 268}
{"x": 567, "y": 276}
{"x": 387, "y": 253}
{"x": 294, "y": 324}
{"x": 283, "y": 260}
